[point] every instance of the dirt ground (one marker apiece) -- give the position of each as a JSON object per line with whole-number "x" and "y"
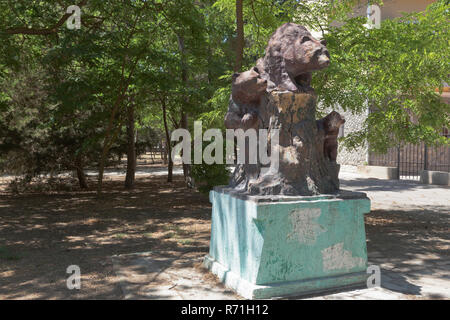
{"x": 41, "y": 234}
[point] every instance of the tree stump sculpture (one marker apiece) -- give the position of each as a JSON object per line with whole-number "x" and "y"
{"x": 276, "y": 94}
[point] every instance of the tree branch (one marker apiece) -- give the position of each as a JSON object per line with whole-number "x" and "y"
{"x": 46, "y": 31}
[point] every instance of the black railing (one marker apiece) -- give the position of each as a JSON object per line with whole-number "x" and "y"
{"x": 411, "y": 159}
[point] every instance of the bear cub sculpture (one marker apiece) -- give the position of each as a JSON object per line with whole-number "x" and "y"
{"x": 329, "y": 126}
{"x": 246, "y": 91}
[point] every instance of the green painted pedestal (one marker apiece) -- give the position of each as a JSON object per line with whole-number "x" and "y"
{"x": 278, "y": 246}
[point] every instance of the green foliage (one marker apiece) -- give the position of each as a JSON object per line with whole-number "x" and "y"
{"x": 207, "y": 176}
{"x": 394, "y": 70}
{"x": 262, "y": 19}
{"x": 125, "y": 52}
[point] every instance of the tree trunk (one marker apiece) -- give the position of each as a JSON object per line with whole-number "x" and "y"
{"x": 109, "y": 139}
{"x": 168, "y": 146}
{"x": 186, "y": 166}
{"x": 80, "y": 172}
{"x": 301, "y": 167}
{"x": 170, "y": 164}
{"x": 131, "y": 150}
{"x": 240, "y": 36}
{"x": 184, "y": 116}
{"x": 164, "y": 152}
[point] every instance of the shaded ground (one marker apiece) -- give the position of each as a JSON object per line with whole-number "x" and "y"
{"x": 42, "y": 234}
{"x": 408, "y": 233}
{"x": 168, "y": 276}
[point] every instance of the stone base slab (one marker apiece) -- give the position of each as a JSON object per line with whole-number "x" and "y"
{"x": 285, "y": 289}
{"x": 276, "y": 246}
{"x": 435, "y": 177}
{"x": 379, "y": 172}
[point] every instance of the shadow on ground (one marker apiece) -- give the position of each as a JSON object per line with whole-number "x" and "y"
{"x": 410, "y": 246}
{"x": 42, "y": 234}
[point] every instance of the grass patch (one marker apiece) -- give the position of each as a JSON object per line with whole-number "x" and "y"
{"x": 170, "y": 235}
{"x": 171, "y": 227}
{"x": 185, "y": 241}
{"x": 6, "y": 254}
{"x": 121, "y": 235}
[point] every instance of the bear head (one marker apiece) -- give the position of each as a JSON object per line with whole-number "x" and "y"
{"x": 332, "y": 123}
{"x": 248, "y": 87}
{"x": 291, "y": 55}
{"x": 305, "y": 53}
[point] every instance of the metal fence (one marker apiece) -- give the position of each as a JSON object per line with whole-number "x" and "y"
{"x": 411, "y": 159}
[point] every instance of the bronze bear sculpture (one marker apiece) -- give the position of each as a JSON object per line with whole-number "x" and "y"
{"x": 329, "y": 126}
{"x": 291, "y": 55}
{"x": 276, "y": 96}
{"x": 246, "y": 91}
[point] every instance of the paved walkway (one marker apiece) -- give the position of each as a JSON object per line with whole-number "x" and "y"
{"x": 398, "y": 194}
{"x": 413, "y": 247}
{"x": 408, "y": 233}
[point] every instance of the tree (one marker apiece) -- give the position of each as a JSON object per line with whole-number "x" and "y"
{"x": 89, "y": 72}
{"x": 239, "y": 35}
{"x": 131, "y": 146}
{"x": 259, "y": 20}
{"x": 393, "y": 70}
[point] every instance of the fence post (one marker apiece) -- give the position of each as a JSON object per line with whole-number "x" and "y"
{"x": 398, "y": 162}
{"x": 425, "y": 157}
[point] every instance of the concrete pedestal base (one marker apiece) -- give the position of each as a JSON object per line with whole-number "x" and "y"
{"x": 278, "y": 246}
{"x": 435, "y": 177}
{"x": 379, "y": 172}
